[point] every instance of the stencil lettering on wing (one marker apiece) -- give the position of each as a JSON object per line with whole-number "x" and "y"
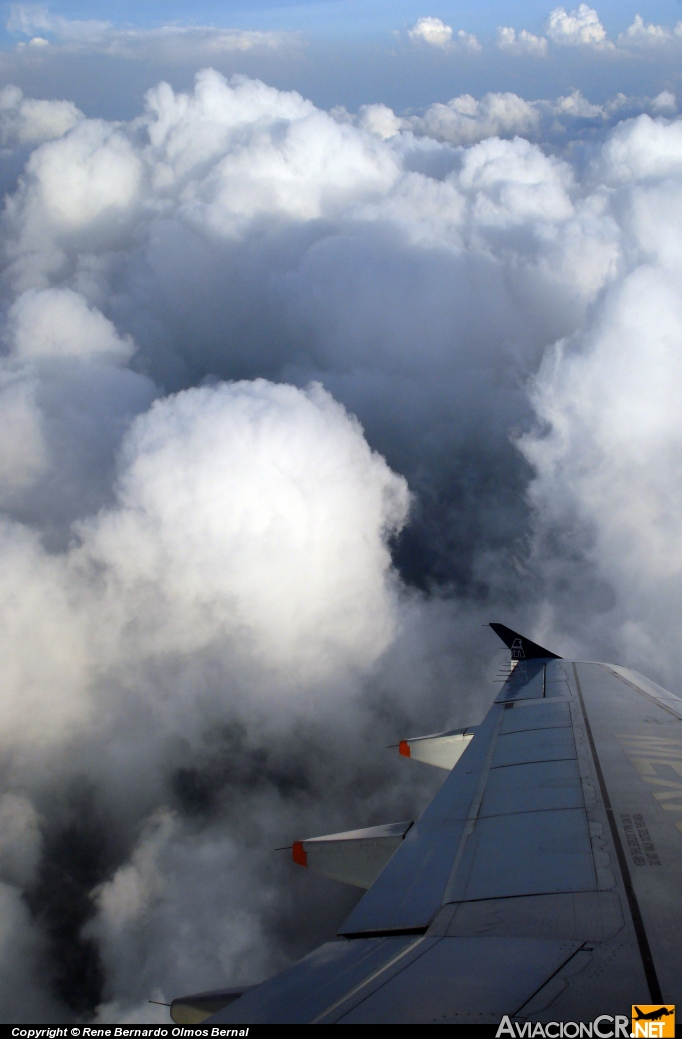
{"x": 658, "y": 761}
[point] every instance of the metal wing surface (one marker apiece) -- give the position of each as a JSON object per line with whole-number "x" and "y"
{"x": 543, "y": 882}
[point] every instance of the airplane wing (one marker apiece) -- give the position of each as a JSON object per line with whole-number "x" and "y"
{"x": 543, "y": 882}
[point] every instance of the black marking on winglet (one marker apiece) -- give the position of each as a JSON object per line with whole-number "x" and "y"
{"x": 521, "y": 647}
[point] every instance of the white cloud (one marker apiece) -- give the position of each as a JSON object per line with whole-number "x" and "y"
{"x": 522, "y": 43}
{"x": 610, "y": 462}
{"x": 137, "y": 902}
{"x": 580, "y": 27}
{"x": 270, "y": 535}
{"x": 436, "y": 33}
{"x": 664, "y": 103}
{"x": 465, "y": 120}
{"x": 643, "y": 149}
{"x": 131, "y": 892}
{"x": 286, "y": 510}
{"x": 168, "y": 42}
{"x": 24, "y": 120}
{"x": 468, "y": 41}
{"x": 380, "y": 120}
{"x": 514, "y": 183}
{"x": 640, "y": 34}
{"x": 58, "y": 323}
{"x": 431, "y": 30}
{"x": 92, "y": 174}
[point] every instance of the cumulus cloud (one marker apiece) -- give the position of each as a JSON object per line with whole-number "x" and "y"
{"x": 431, "y": 30}
{"x": 59, "y": 323}
{"x": 468, "y": 41}
{"x": 27, "y": 121}
{"x": 256, "y": 579}
{"x": 608, "y": 460}
{"x": 523, "y": 42}
{"x": 270, "y": 612}
{"x": 465, "y": 120}
{"x": 580, "y": 27}
{"x": 291, "y": 401}
{"x": 664, "y": 103}
{"x": 379, "y": 119}
{"x": 640, "y": 34}
{"x": 436, "y": 33}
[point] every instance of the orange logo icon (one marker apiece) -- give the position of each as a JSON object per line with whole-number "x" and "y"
{"x": 653, "y": 1021}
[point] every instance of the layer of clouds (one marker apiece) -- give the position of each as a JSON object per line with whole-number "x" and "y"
{"x": 465, "y": 120}
{"x": 104, "y": 68}
{"x": 291, "y": 402}
{"x": 579, "y": 27}
{"x": 40, "y": 32}
{"x": 168, "y": 42}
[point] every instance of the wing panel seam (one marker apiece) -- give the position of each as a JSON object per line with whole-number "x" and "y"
{"x": 533, "y": 761}
{"x": 474, "y": 810}
{"x": 374, "y": 976}
{"x": 643, "y": 692}
{"x": 547, "y": 980}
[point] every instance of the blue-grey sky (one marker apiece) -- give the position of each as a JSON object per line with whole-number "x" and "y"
{"x": 356, "y": 19}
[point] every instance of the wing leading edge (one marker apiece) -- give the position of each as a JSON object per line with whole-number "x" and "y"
{"x": 542, "y": 882}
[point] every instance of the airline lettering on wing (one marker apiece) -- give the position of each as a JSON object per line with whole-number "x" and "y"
{"x": 655, "y": 758}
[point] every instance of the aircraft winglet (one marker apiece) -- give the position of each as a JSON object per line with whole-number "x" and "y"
{"x": 521, "y": 648}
